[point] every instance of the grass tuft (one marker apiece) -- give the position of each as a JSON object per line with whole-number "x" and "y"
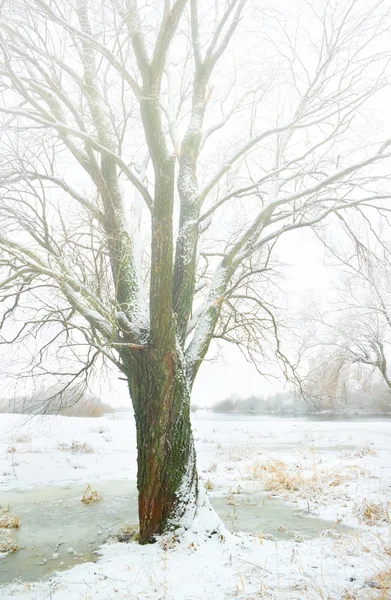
{"x": 373, "y": 513}
{"x": 7, "y": 544}
{"x": 90, "y": 496}
{"x": 209, "y": 485}
{"x": 76, "y": 448}
{"x": 8, "y": 521}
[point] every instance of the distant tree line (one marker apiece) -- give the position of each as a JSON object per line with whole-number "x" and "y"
{"x": 351, "y": 396}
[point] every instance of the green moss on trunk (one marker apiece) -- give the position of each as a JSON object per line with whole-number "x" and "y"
{"x": 167, "y": 476}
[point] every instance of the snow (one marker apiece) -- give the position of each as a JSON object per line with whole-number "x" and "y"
{"x": 206, "y": 561}
{"x": 203, "y": 328}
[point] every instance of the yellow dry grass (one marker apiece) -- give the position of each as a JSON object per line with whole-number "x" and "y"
{"x": 209, "y": 485}
{"x": 9, "y": 521}
{"x": 280, "y": 478}
{"x": 377, "y": 587}
{"x": 7, "y": 544}
{"x": 277, "y": 476}
{"x": 90, "y": 496}
{"x": 374, "y": 513}
{"x": 383, "y": 580}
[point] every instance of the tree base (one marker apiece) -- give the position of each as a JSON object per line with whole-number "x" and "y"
{"x": 199, "y": 519}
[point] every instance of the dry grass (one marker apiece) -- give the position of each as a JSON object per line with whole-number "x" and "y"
{"x": 8, "y": 521}
{"x": 360, "y": 452}
{"x": 385, "y": 545}
{"x": 76, "y": 448}
{"x": 90, "y": 496}
{"x": 373, "y": 513}
{"x": 128, "y": 533}
{"x": 212, "y": 468}
{"x": 23, "y": 439}
{"x": 365, "y": 451}
{"x": 239, "y": 453}
{"x": 383, "y": 582}
{"x": 209, "y": 485}
{"x": 279, "y": 477}
{"x": 377, "y": 588}
{"x": 7, "y": 544}
{"x": 169, "y": 541}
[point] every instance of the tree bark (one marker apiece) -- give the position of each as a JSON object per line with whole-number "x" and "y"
{"x": 167, "y": 475}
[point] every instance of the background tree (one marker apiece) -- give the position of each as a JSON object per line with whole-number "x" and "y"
{"x": 214, "y": 129}
{"x": 355, "y": 330}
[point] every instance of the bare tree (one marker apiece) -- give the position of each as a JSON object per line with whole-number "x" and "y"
{"x": 356, "y": 327}
{"x": 215, "y": 129}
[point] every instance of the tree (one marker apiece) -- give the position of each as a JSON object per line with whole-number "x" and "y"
{"x": 356, "y": 327}
{"x": 213, "y": 137}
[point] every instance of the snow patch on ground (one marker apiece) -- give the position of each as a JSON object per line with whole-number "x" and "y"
{"x": 329, "y": 469}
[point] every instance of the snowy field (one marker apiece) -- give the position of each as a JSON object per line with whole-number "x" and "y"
{"x": 337, "y": 471}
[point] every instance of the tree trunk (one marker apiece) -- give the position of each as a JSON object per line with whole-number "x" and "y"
{"x": 167, "y": 475}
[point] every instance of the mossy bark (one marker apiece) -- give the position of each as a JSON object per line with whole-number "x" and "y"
{"x": 167, "y": 474}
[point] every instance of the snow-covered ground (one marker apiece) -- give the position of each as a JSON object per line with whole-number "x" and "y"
{"x": 339, "y": 471}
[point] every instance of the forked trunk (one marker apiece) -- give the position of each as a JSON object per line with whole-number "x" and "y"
{"x": 167, "y": 474}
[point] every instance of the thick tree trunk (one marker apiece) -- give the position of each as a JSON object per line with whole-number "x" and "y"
{"x": 167, "y": 474}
